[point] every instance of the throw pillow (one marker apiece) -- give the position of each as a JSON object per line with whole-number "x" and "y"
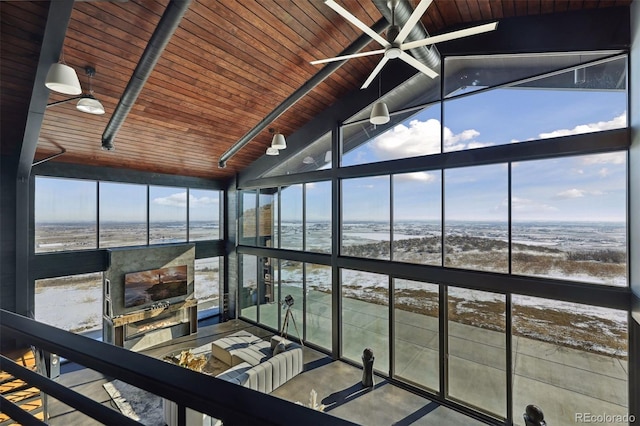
{"x": 279, "y": 348}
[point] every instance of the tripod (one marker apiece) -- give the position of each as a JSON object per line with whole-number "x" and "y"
{"x": 285, "y": 325}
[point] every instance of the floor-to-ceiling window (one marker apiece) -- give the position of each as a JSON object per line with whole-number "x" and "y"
{"x": 474, "y": 232}
{"x": 72, "y": 215}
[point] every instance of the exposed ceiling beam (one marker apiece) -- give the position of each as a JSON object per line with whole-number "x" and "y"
{"x": 318, "y": 78}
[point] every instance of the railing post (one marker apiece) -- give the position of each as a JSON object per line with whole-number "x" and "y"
{"x": 48, "y": 365}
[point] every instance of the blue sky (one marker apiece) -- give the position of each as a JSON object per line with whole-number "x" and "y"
{"x": 70, "y": 200}
{"x": 581, "y": 188}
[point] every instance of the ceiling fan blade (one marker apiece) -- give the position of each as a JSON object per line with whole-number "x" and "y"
{"x": 418, "y": 65}
{"x": 450, "y": 36}
{"x": 375, "y": 72}
{"x": 355, "y": 21}
{"x": 413, "y": 19}
{"x": 354, "y": 55}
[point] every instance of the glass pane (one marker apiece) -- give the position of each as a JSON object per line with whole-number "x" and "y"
{"x": 570, "y": 360}
{"x": 291, "y": 217}
{"x": 204, "y": 214}
{"x": 464, "y": 74}
{"x": 407, "y": 135}
{"x": 477, "y": 349}
{"x": 315, "y": 156}
{"x": 365, "y": 217}
{"x": 541, "y": 109}
{"x": 207, "y": 282}
{"x": 72, "y": 303}
{"x": 417, "y": 213}
{"x": 319, "y": 290}
{"x": 65, "y": 214}
{"x": 248, "y": 297}
{"x": 269, "y": 292}
{"x": 248, "y": 218}
{"x": 167, "y": 215}
{"x": 416, "y": 343}
{"x": 569, "y": 218}
{"x": 291, "y": 281}
{"x": 318, "y": 217}
{"x": 267, "y": 222}
{"x": 123, "y": 214}
{"x": 365, "y": 316}
{"x": 476, "y": 226}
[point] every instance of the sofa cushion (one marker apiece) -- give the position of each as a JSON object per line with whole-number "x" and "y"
{"x": 224, "y": 348}
{"x": 280, "y": 347}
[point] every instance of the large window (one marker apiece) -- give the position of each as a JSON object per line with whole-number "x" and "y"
{"x": 167, "y": 215}
{"x": 65, "y": 214}
{"x": 291, "y": 217}
{"x": 569, "y": 358}
{"x": 417, "y": 212}
{"x": 569, "y": 218}
{"x": 207, "y": 282}
{"x": 318, "y": 235}
{"x": 72, "y": 303}
{"x": 123, "y": 214}
{"x": 365, "y": 316}
{"x": 319, "y": 289}
{"x": 204, "y": 215}
{"x": 476, "y": 218}
{"x": 365, "y": 217}
{"x": 446, "y": 219}
{"x": 248, "y": 295}
{"x": 76, "y": 214}
{"x": 477, "y": 349}
{"x": 407, "y": 135}
{"x": 416, "y": 333}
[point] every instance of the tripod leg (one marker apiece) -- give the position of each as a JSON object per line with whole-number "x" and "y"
{"x": 296, "y": 327}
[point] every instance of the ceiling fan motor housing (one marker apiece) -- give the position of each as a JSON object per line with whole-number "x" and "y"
{"x": 392, "y": 33}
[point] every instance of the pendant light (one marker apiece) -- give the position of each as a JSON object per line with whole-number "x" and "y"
{"x": 62, "y": 78}
{"x": 379, "y": 112}
{"x": 273, "y": 151}
{"x": 88, "y": 103}
{"x": 278, "y": 142}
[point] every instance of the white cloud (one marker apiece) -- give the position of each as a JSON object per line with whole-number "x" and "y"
{"x": 179, "y": 199}
{"x": 608, "y": 158}
{"x": 528, "y": 205}
{"x": 571, "y": 193}
{"x": 416, "y": 176}
{"x": 615, "y": 123}
{"x": 422, "y": 138}
{"x": 603, "y": 172}
{"x": 202, "y": 201}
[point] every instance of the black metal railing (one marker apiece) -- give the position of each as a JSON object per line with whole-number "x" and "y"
{"x": 232, "y": 404}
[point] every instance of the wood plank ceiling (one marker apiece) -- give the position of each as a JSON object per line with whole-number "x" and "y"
{"x": 228, "y": 65}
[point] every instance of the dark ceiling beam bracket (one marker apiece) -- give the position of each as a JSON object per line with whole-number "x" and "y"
{"x": 169, "y": 22}
{"x": 359, "y": 44}
{"x": 52, "y": 42}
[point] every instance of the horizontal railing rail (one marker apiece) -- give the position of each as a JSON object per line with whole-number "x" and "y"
{"x": 230, "y": 403}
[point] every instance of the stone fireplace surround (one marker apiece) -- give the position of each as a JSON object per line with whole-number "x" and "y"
{"x": 138, "y": 328}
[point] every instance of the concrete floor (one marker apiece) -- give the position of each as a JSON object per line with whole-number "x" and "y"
{"x": 562, "y": 381}
{"x": 337, "y": 384}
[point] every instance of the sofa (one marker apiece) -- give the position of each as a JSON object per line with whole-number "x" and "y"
{"x": 253, "y": 365}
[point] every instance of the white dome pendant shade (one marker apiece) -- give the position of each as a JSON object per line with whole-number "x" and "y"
{"x": 273, "y": 151}
{"x": 278, "y": 141}
{"x": 90, "y": 105}
{"x": 63, "y": 79}
{"x": 379, "y": 114}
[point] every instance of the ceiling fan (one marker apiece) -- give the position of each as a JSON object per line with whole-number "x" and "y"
{"x": 394, "y": 46}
